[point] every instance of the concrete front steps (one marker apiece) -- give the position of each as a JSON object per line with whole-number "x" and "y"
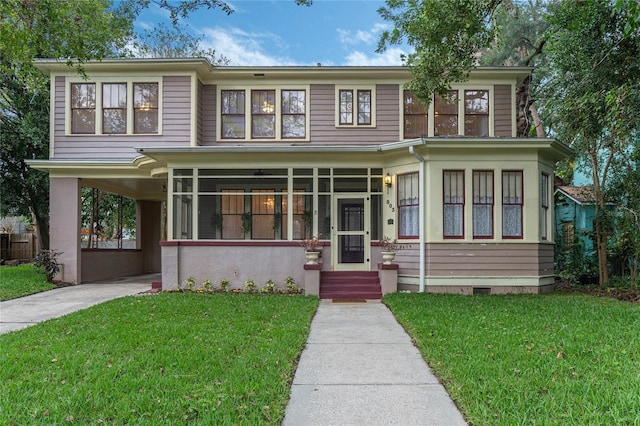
{"x": 350, "y": 285}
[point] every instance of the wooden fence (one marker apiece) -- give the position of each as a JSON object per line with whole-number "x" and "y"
{"x": 21, "y": 247}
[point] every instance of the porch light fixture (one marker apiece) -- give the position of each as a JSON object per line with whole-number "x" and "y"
{"x": 387, "y": 181}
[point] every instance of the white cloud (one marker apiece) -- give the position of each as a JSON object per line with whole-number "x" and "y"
{"x": 388, "y": 57}
{"x": 245, "y": 48}
{"x": 368, "y": 37}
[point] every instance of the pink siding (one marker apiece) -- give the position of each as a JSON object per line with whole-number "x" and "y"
{"x": 176, "y": 126}
{"x": 503, "y": 110}
{"x": 323, "y": 128}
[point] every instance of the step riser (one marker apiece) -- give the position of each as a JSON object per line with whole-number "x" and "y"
{"x": 350, "y": 285}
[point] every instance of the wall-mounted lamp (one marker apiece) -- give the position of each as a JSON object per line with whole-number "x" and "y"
{"x": 387, "y": 181}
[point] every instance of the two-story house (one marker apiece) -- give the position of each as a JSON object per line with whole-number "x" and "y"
{"x": 247, "y": 161}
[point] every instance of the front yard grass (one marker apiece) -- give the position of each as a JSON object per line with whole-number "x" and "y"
{"x": 22, "y": 280}
{"x": 159, "y": 359}
{"x": 527, "y": 359}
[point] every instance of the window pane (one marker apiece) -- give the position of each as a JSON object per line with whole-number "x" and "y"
{"x": 83, "y": 121}
{"x": 114, "y": 121}
{"x": 146, "y": 121}
{"x": 114, "y": 95}
{"x": 83, "y": 95}
{"x": 364, "y": 106}
{"x": 346, "y": 107}
{"x": 512, "y": 204}
{"x": 293, "y": 101}
{"x": 476, "y": 125}
{"x": 233, "y": 126}
{"x": 263, "y": 126}
{"x": 232, "y": 209}
{"x": 232, "y": 102}
{"x": 293, "y": 126}
{"x": 182, "y": 217}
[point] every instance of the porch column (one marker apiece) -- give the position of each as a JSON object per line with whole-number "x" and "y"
{"x": 64, "y": 226}
{"x": 149, "y": 229}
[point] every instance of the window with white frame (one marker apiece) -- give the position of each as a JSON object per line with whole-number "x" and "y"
{"x": 544, "y": 206}
{"x": 446, "y": 114}
{"x": 453, "y": 214}
{"x": 415, "y": 116}
{"x": 408, "y": 205}
{"x": 512, "y": 204}
{"x": 263, "y": 114}
{"x": 232, "y": 107}
{"x": 83, "y": 108}
{"x": 293, "y": 113}
{"x": 355, "y": 106}
{"x": 114, "y": 108}
{"x": 483, "y": 204}
{"x": 476, "y": 113}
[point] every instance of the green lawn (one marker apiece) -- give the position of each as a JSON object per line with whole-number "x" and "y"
{"x": 18, "y": 281}
{"x": 537, "y": 360}
{"x": 158, "y": 359}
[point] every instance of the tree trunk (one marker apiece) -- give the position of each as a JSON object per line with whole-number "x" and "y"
{"x": 600, "y": 223}
{"x": 523, "y": 104}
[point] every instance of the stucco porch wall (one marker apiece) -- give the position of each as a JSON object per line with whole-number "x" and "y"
{"x": 234, "y": 261}
{"x": 100, "y": 265}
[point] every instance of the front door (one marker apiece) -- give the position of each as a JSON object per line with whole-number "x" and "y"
{"x": 351, "y": 237}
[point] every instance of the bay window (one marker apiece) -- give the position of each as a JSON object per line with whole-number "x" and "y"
{"x": 482, "y": 204}
{"x": 408, "y": 205}
{"x": 512, "y": 203}
{"x": 453, "y": 215}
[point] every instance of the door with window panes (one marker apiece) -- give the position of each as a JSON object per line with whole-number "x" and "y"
{"x": 351, "y": 232}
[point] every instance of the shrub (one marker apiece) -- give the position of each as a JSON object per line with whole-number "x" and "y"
{"x": 224, "y": 285}
{"x": 269, "y": 287}
{"x": 48, "y": 261}
{"x": 249, "y": 286}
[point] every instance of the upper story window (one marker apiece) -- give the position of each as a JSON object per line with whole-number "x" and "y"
{"x": 355, "y": 106}
{"x": 476, "y": 113}
{"x": 145, "y": 100}
{"x": 232, "y": 110}
{"x": 273, "y": 114}
{"x": 114, "y": 108}
{"x": 415, "y": 116}
{"x": 446, "y": 114}
{"x": 293, "y": 113}
{"x": 108, "y": 108}
{"x": 83, "y": 108}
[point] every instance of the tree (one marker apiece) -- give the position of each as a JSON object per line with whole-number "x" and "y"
{"x": 76, "y": 31}
{"x": 34, "y": 29}
{"x": 593, "y": 93}
{"x": 173, "y": 42}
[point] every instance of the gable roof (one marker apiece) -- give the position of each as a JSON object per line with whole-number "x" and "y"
{"x": 579, "y": 194}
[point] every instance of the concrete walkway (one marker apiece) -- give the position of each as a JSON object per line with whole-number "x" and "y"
{"x": 361, "y": 368}
{"x": 23, "y": 312}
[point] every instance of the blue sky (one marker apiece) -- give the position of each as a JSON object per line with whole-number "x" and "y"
{"x": 278, "y": 32}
